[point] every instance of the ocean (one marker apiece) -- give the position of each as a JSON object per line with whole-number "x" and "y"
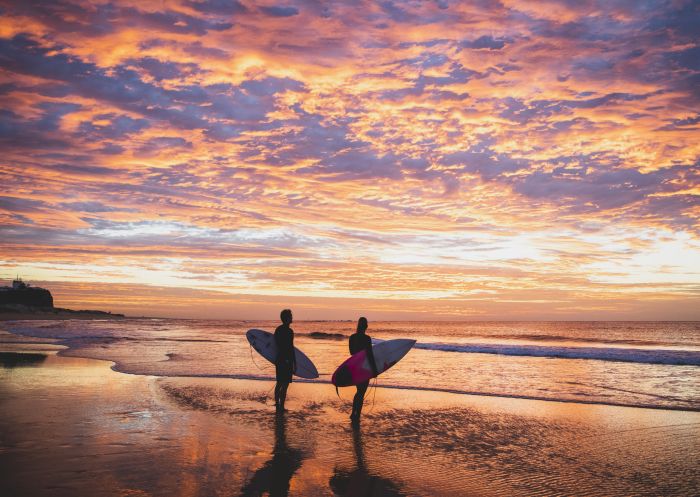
{"x": 639, "y": 364}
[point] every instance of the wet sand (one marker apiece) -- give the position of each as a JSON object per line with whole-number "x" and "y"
{"x": 72, "y": 426}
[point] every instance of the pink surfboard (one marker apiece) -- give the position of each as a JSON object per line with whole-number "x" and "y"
{"x": 357, "y": 368}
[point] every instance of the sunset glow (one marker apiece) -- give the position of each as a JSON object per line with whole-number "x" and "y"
{"x": 406, "y": 160}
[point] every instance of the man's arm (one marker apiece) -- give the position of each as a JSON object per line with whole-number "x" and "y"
{"x": 278, "y": 344}
{"x": 290, "y": 351}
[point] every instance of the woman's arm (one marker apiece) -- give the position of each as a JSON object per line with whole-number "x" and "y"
{"x": 370, "y": 356}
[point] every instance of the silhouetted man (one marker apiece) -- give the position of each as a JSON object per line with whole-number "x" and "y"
{"x": 285, "y": 363}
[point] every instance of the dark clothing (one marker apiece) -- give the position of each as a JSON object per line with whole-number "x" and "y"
{"x": 358, "y": 342}
{"x": 284, "y": 339}
{"x": 284, "y": 372}
{"x": 285, "y": 362}
{"x": 362, "y": 341}
{"x": 359, "y": 399}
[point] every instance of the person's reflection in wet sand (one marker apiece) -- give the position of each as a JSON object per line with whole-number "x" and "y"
{"x": 359, "y": 482}
{"x": 274, "y": 476}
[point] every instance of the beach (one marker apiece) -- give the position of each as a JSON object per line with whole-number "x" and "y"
{"x": 73, "y": 426}
{"x": 482, "y": 219}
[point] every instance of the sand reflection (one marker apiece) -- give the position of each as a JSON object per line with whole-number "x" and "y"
{"x": 360, "y": 481}
{"x": 274, "y": 476}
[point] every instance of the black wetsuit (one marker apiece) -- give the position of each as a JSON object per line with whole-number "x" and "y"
{"x": 284, "y": 364}
{"x": 358, "y": 342}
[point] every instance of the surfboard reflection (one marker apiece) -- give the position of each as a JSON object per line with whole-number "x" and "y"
{"x": 274, "y": 476}
{"x": 361, "y": 482}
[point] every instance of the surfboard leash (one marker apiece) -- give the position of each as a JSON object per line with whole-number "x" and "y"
{"x": 374, "y": 394}
{"x": 252, "y": 359}
{"x": 267, "y": 394}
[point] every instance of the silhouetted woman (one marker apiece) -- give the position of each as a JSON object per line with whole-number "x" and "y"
{"x": 361, "y": 341}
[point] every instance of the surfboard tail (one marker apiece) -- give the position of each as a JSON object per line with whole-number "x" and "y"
{"x": 342, "y": 377}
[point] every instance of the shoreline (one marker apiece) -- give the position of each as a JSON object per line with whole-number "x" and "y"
{"x": 188, "y": 435}
{"x": 437, "y": 390}
{"x": 120, "y": 367}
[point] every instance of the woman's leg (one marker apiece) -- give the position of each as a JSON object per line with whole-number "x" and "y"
{"x": 358, "y": 400}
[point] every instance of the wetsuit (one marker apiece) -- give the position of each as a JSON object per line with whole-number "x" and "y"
{"x": 285, "y": 362}
{"x": 358, "y": 342}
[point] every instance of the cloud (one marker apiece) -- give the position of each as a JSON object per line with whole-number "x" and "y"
{"x": 684, "y": 124}
{"x": 160, "y": 70}
{"x": 279, "y": 10}
{"x": 487, "y": 164}
{"x": 54, "y": 113}
{"x": 105, "y": 18}
{"x": 357, "y": 164}
{"x": 447, "y": 149}
{"x": 16, "y": 204}
{"x": 219, "y": 7}
{"x": 485, "y": 42}
{"x": 93, "y": 207}
{"x": 212, "y": 108}
{"x": 163, "y": 144}
{"x": 112, "y": 126}
{"x": 603, "y": 189}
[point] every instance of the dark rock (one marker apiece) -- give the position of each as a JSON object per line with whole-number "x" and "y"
{"x": 23, "y": 294}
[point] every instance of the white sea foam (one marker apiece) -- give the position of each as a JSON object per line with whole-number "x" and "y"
{"x": 643, "y": 356}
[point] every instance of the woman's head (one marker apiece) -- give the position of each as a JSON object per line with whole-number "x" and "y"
{"x": 362, "y": 325}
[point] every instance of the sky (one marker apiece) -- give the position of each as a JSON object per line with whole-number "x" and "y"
{"x": 400, "y": 160}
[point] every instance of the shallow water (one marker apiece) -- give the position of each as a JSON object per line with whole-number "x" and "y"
{"x": 649, "y": 364}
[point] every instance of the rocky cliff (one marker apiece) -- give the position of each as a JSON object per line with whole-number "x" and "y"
{"x": 28, "y": 296}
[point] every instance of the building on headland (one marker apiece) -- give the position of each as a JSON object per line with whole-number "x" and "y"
{"x": 24, "y": 294}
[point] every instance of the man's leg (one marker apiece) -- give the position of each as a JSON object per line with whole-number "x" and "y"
{"x": 282, "y": 395}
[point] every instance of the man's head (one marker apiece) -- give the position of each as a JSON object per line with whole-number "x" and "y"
{"x": 286, "y": 316}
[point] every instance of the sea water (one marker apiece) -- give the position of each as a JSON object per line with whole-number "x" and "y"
{"x": 643, "y": 364}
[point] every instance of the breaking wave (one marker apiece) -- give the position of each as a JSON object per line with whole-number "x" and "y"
{"x": 642, "y": 356}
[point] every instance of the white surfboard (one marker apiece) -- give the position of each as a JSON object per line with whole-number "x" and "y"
{"x": 264, "y": 344}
